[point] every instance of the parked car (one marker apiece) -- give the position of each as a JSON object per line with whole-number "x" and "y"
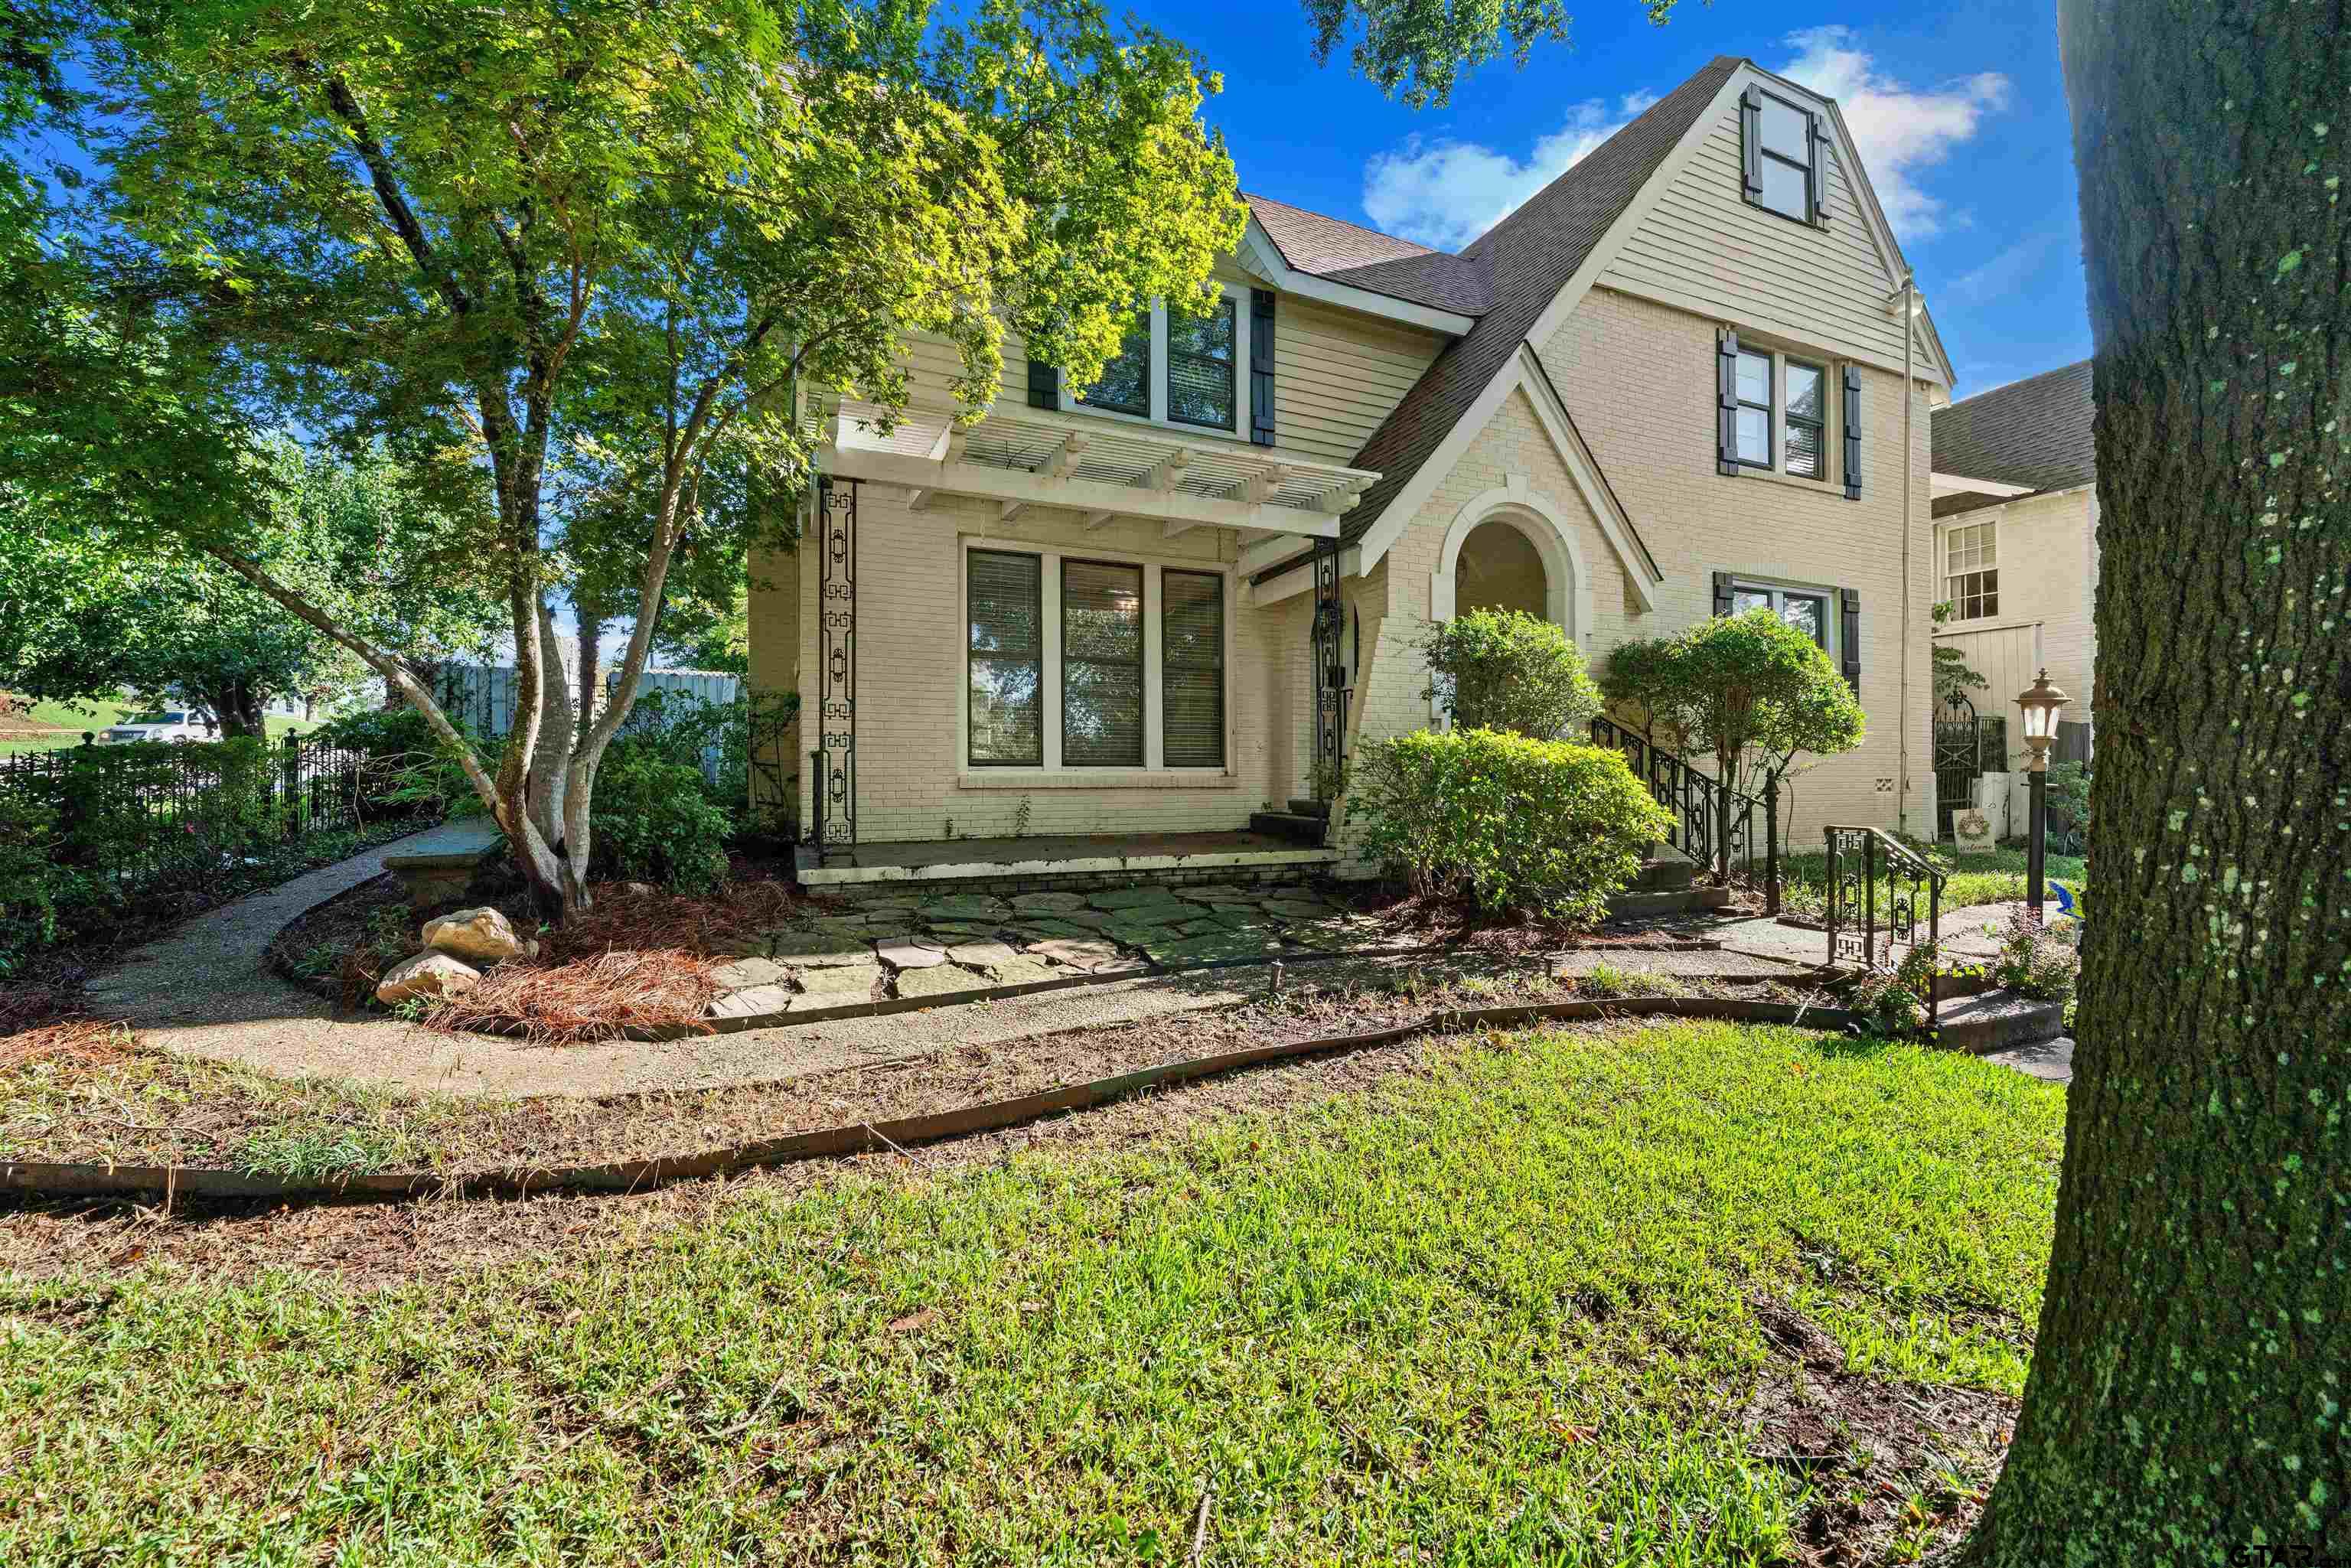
{"x": 162, "y": 723}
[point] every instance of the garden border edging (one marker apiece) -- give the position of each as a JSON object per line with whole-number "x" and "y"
{"x": 34, "y": 1178}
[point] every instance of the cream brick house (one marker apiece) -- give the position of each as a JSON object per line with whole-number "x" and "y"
{"x": 1675, "y": 382}
{"x": 2016, "y": 553}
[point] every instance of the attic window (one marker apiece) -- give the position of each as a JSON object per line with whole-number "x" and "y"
{"x": 1783, "y": 145}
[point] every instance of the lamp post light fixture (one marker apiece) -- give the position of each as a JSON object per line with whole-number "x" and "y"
{"x": 2042, "y": 703}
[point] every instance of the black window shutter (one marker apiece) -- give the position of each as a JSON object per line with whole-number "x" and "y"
{"x": 1726, "y": 401}
{"x": 1723, "y": 593}
{"x": 1750, "y": 141}
{"x": 1044, "y": 385}
{"x": 1853, "y": 433}
{"x": 1849, "y": 635}
{"x": 1261, "y": 366}
{"x": 1817, "y": 143}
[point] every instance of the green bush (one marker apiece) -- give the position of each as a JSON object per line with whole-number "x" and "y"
{"x": 1505, "y": 821}
{"x": 1504, "y": 669}
{"x": 398, "y": 751}
{"x": 651, "y": 819}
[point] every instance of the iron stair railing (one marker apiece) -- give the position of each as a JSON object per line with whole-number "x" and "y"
{"x": 1714, "y": 824}
{"x": 1858, "y": 859}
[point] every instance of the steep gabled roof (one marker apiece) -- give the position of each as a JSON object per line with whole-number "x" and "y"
{"x": 2034, "y": 432}
{"x": 1341, "y": 252}
{"x": 1526, "y": 259}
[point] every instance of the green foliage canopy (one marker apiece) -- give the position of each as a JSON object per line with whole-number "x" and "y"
{"x": 1734, "y": 683}
{"x": 1504, "y": 669}
{"x": 599, "y": 258}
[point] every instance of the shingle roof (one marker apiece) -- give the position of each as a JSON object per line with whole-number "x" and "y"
{"x": 1525, "y": 260}
{"x": 1341, "y": 252}
{"x": 2034, "y": 432}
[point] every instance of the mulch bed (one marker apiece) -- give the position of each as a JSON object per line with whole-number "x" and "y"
{"x": 639, "y": 958}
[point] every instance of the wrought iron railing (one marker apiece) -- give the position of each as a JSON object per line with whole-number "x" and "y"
{"x": 1878, "y": 889}
{"x": 1715, "y": 826}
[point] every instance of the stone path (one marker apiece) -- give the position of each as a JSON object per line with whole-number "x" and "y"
{"x": 950, "y": 947}
{"x": 205, "y": 990}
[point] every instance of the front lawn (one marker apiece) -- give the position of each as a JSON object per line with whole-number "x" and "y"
{"x": 1668, "y": 1295}
{"x": 1992, "y": 877}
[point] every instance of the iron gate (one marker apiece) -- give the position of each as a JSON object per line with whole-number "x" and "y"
{"x": 1959, "y": 758}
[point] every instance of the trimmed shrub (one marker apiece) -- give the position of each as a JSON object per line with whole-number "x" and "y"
{"x": 651, "y": 821}
{"x": 1504, "y": 669}
{"x": 1506, "y": 821}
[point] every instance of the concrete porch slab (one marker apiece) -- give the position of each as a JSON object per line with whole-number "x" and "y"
{"x": 953, "y": 860}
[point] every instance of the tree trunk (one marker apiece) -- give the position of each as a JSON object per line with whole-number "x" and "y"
{"x": 2186, "y": 1401}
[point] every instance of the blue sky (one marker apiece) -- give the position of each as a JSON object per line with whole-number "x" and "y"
{"x": 1960, "y": 118}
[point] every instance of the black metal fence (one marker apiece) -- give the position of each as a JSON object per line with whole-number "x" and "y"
{"x": 1881, "y": 895}
{"x": 151, "y": 815}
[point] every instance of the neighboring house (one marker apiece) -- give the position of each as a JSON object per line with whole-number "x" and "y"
{"x": 2016, "y": 554}
{"x": 1671, "y": 384}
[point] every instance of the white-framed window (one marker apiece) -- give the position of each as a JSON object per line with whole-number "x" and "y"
{"x": 1179, "y": 371}
{"x": 1783, "y": 417}
{"x": 1080, "y": 663}
{"x": 1805, "y": 608}
{"x": 1971, "y": 569}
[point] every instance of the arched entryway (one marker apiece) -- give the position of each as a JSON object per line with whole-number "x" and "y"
{"x": 1513, "y": 549}
{"x": 1499, "y": 569}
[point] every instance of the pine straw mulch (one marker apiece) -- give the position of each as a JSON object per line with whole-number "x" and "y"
{"x": 1427, "y": 921}
{"x": 639, "y": 958}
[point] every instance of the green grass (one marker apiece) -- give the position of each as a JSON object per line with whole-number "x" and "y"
{"x": 93, "y": 716}
{"x": 1502, "y": 1313}
{"x": 1992, "y": 877}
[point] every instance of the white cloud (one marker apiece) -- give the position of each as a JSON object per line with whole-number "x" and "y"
{"x": 1446, "y": 193}
{"x": 1900, "y": 131}
{"x": 2013, "y": 266}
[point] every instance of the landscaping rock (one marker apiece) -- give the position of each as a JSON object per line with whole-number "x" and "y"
{"x": 907, "y": 954}
{"x": 1292, "y": 907}
{"x": 847, "y": 983}
{"x": 965, "y": 907}
{"x": 431, "y": 974}
{"x": 981, "y": 955}
{"x": 1091, "y": 957}
{"x": 756, "y": 1001}
{"x": 745, "y": 973}
{"x": 1025, "y": 972}
{"x": 944, "y": 984}
{"x": 1215, "y": 947}
{"x": 1131, "y": 897}
{"x": 820, "y": 951}
{"x": 1048, "y": 902}
{"x": 483, "y": 934}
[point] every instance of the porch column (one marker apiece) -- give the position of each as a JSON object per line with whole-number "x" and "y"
{"x": 834, "y": 757}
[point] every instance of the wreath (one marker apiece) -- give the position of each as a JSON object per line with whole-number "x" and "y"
{"x": 1971, "y": 827}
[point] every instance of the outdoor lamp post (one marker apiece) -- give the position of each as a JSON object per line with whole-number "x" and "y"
{"x": 2042, "y": 703}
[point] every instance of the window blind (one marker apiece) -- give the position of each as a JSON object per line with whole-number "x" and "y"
{"x": 1007, "y": 660}
{"x": 1200, "y": 368}
{"x": 1126, "y": 383}
{"x": 1192, "y": 668}
{"x": 1101, "y": 664}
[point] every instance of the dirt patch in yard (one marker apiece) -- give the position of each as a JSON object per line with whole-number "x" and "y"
{"x": 1898, "y": 1471}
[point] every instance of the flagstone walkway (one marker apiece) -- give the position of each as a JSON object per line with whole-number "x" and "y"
{"x": 943, "y": 948}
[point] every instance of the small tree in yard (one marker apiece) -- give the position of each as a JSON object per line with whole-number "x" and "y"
{"x": 1504, "y": 669}
{"x": 587, "y": 257}
{"x": 1752, "y": 690}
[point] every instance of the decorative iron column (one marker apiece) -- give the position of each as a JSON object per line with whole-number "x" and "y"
{"x": 835, "y": 785}
{"x": 1330, "y": 673}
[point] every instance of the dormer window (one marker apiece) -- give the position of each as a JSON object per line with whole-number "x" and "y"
{"x": 1785, "y": 156}
{"x": 1180, "y": 369}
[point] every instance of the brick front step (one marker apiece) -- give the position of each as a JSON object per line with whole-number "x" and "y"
{"x": 1295, "y": 826}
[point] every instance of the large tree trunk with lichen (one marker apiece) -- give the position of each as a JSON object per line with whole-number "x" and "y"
{"x": 2187, "y": 1392}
